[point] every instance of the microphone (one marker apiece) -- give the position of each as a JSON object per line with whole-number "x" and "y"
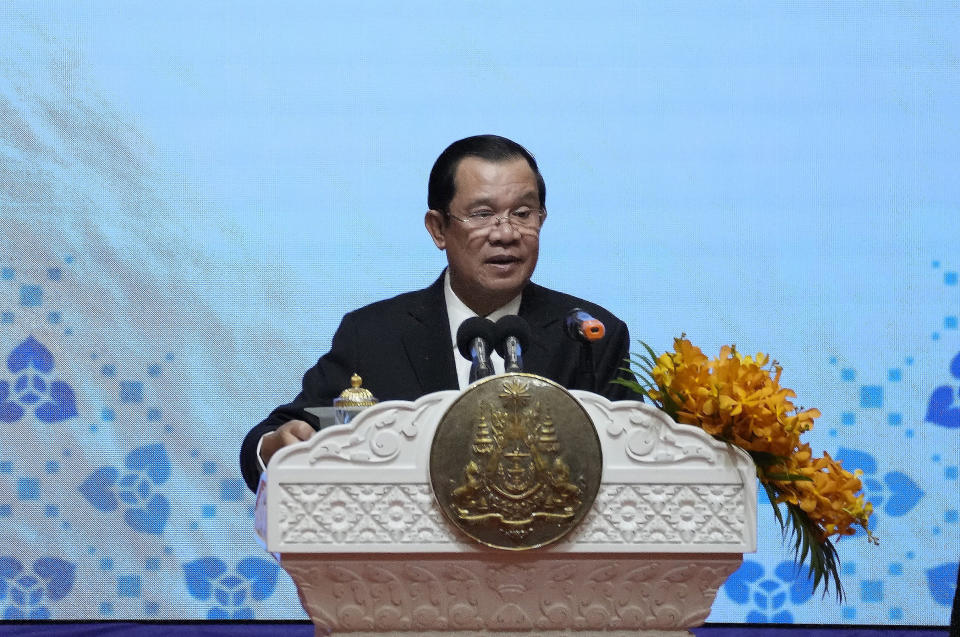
{"x": 580, "y": 326}
{"x": 473, "y": 338}
{"x": 511, "y": 338}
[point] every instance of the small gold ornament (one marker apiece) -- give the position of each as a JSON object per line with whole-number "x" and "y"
{"x": 353, "y": 400}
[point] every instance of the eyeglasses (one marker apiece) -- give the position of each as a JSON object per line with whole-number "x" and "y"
{"x": 523, "y": 219}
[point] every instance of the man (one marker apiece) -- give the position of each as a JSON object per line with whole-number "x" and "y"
{"x": 955, "y": 615}
{"x": 487, "y": 206}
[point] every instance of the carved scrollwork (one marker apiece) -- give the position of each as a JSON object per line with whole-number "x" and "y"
{"x": 652, "y": 438}
{"x": 532, "y": 595}
{"x": 375, "y": 439}
{"x": 361, "y": 514}
{"x": 665, "y": 514}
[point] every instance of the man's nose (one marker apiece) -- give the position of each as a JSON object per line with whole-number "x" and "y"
{"x": 504, "y": 231}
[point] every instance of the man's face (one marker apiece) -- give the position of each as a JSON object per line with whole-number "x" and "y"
{"x": 488, "y": 265}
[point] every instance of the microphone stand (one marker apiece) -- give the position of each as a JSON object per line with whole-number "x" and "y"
{"x": 587, "y": 376}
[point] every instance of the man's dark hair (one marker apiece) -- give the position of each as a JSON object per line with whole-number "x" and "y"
{"x": 442, "y": 187}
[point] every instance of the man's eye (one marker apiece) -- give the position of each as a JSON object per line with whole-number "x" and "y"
{"x": 481, "y": 214}
{"x": 521, "y": 214}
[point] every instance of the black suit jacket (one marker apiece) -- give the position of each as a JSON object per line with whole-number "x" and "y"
{"x": 402, "y": 349}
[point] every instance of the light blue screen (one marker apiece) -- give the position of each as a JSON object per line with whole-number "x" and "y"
{"x": 193, "y": 194}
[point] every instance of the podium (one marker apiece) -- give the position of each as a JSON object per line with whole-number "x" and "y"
{"x": 351, "y": 516}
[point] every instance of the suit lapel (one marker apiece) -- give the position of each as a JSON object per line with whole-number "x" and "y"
{"x": 427, "y": 343}
{"x": 430, "y": 349}
{"x": 540, "y": 313}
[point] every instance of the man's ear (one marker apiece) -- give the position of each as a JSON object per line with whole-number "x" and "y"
{"x": 437, "y": 226}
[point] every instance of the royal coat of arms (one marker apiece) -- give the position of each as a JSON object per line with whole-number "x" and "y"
{"x": 515, "y": 462}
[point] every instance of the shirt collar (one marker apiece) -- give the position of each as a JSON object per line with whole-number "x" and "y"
{"x": 458, "y": 312}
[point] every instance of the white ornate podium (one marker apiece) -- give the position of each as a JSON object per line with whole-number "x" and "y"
{"x": 351, "y": 516}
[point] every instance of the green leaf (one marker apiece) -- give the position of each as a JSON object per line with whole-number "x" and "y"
{"x": 632, "y": 384}
{"x": 638, "y": 375}
{"x": 772, "y": 495}
{"x": 788, "y": 477}
{"x": 641, "y": 362}
{"x": 650, "y": 350}
{"x": 822, "y": 554}
{"x": 766, "y": 459}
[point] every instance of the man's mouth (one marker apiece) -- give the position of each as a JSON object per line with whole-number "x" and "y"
{"x": 503, "y": 259}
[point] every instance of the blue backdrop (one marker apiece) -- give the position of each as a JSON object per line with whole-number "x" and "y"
{"x": 192, "y": 194}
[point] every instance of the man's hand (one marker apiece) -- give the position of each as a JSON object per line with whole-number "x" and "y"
{"x": 288, "y": 433}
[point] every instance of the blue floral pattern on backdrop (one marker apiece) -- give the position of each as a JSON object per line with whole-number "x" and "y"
{"x": 943, "y": 408}
{"x": 145, "y": 511}
{"x": 231, "y": 590}
{"x": 769, "y": 598}
{"x": 52, "y": 401}
{"x": 27, "y": 593}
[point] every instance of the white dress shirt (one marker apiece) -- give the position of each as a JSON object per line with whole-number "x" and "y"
{"x": 458, "y": 312}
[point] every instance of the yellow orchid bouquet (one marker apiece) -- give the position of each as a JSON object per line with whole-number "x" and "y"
{"x": 738, "y": 399}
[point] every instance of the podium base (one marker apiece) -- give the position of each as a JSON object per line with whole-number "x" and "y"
{"x": 506, "y": 594}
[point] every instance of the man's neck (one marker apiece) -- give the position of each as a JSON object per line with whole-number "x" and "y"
{"x": 484, "y": 309}
{"x": 482, "y": 306}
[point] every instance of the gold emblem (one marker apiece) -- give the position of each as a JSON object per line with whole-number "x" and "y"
{"x": 515, "y": 462}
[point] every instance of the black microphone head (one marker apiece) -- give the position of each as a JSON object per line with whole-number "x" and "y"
{"x": 511, "y": 325}
{"x": 474, "y": 327}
